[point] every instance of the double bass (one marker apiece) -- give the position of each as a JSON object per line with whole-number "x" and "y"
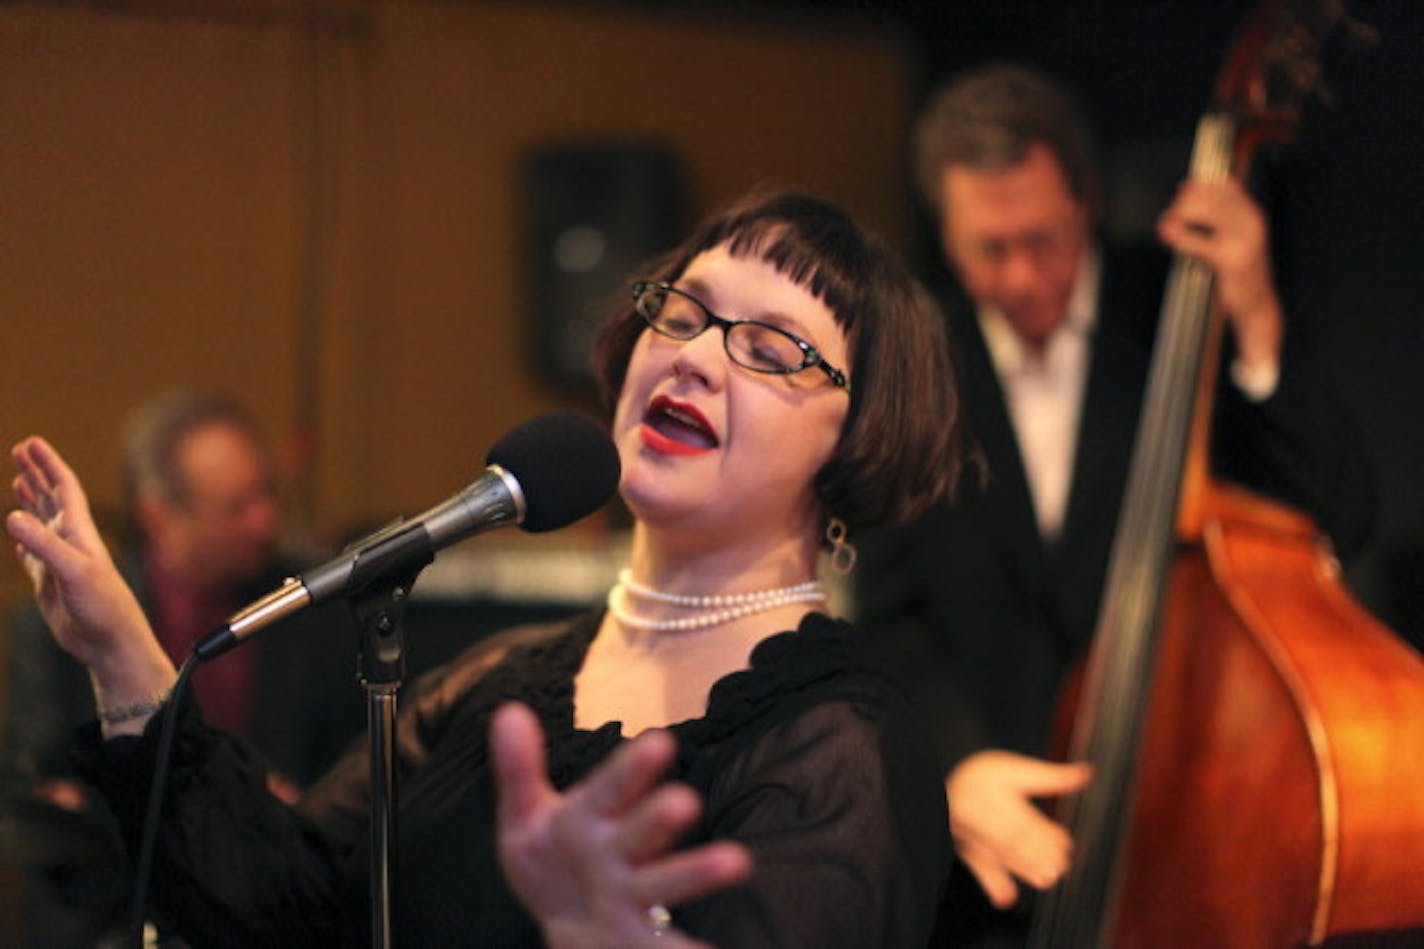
{"x": 1256, "y": 736}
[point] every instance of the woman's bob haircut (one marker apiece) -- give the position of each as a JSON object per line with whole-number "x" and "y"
{"x": 900, "y": 449}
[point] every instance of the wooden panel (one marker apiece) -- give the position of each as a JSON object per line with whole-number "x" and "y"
{"x": 148, "y": 221}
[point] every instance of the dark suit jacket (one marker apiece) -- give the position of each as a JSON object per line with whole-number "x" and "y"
{"x": 982, "y": 619}
{"x": 979, "y": 616}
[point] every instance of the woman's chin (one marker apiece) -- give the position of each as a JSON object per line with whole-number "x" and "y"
{"x": 655, "y": 502}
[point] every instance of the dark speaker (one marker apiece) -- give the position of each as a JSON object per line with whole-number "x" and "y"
{"x": 596, "y": 212}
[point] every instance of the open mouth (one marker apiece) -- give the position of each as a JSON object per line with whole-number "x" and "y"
{"x": 674, "y": 428}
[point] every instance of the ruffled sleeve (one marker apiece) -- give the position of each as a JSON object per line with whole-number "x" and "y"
{"x": 235, "y": 866}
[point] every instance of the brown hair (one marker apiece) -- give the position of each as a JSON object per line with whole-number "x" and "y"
{"x": 900, "y": 449}
{"x": 988, "y": 119}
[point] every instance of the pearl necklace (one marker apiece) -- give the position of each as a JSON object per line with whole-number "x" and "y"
{"x": 723, "y": 608}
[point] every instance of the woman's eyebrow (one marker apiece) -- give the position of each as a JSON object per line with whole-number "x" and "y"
{"x": 783, "y": 321}
{"x": 692, "y": 285}
{"x": 780, "y": 320}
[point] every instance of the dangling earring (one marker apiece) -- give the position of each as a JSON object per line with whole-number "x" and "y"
{"x": 842, "y": 550}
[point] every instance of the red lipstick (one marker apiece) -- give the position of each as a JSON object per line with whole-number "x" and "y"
{"x": 676, "y": 428}
{"x": 662, "y": 444}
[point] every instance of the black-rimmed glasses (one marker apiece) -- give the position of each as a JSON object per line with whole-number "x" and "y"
{"x": 753, "y": 345}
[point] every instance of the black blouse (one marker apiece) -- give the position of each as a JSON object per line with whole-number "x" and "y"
{"x": 811, "y": 760}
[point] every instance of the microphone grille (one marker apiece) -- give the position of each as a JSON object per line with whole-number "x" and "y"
{"x": 565, "y": 464}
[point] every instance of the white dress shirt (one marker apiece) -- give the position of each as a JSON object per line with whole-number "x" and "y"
{"x": 1045, "y": 389}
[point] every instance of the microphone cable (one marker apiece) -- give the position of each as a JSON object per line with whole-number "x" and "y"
{"x": 143, "y": 871}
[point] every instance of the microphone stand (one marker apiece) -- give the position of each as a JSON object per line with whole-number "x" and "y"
{"x": 377, "y": 593}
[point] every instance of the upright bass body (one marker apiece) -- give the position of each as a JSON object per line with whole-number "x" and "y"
{"x": 1280, "y": 792}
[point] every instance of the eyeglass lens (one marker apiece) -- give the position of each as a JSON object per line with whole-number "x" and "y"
{"x": 753, "y": 345}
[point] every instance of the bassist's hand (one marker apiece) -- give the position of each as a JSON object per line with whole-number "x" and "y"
{"x": 1219, "y": 223}
{"x": 998, "y": 830}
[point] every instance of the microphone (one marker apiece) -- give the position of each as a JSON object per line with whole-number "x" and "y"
{"x": 543, "y": 474}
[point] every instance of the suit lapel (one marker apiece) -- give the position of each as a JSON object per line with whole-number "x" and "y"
{"x": 1005, "y": 507}
{"x": 1106, "y": 430}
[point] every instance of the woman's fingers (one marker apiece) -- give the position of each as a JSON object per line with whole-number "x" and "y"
{"x": 624, "y": 781}
{"x": 33, "y": 470}
{"x": 517, "y": 757}
{"x": 654, "y": 825}
{"x": 27, "y": 495}
{"x": 589, "y": 863}
{"x": 692, "y": 874}
{"x": 47, "y": 488}
{"x": 64, "y": 494}
{"x": 628, "y": 774}
{"x": 40, "y": 545}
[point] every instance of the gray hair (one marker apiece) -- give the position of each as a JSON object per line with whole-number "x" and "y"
{"x": 156, "y": 432}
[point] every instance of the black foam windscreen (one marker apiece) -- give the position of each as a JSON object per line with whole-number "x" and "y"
{"x": 565, "y": 464}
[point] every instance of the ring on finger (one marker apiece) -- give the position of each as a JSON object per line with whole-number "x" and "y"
{"x": 659, "y": 919}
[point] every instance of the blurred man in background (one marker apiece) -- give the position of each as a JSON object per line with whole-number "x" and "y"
{"x": 200, "y": 494}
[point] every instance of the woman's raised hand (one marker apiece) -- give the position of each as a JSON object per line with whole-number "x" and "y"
{"x": 595, "y": 865}
{"x": 88, "y": 607}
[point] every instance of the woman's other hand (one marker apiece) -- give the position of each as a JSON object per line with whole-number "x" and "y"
{"x": 595, "y": 865}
